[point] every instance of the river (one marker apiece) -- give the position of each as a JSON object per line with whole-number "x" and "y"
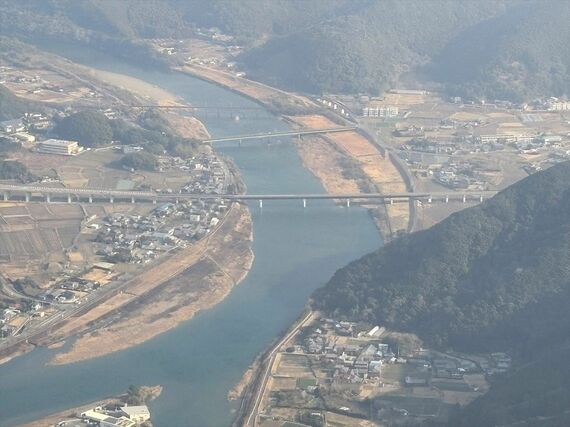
{"x": 296, "y": 251}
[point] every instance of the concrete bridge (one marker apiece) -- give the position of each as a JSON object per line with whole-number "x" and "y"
{"x": 267, "y": 135}
{"x": 197, "y": 107}
{"x": 179, "y": 107}
{"x": 34, "y": 193}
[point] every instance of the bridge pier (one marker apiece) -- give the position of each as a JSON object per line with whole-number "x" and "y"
{"x": 154, "y": 201}
{"x": 464, "y": 199}
{"x": 260, "y": 203}
{"x": 6, "y": 196}
{"x": 132, "y": 200}
{"x": 446, "y": 198}
{"x": 391, "y": 201}
{"x": 111, "y": 199}
{"x": 27, "y": 196}
{"x": 69, "y": 198}
{"x": 304, "y": 203}
{"x": 48, "y": 198}
{"x": 347, "y": 203}
{"x": 239, "y": 142}
{"x": 481, "y": 198}
{"x": 90, "y": 199}
{"x": 429, "y": 199}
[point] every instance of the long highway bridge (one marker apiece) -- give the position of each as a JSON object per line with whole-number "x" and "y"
{"x": 179, "y": 107}
{"x": 267, "y": 135}
{"x": 30, "y": 193}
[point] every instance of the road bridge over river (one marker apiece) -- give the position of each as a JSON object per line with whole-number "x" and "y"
{"x": 31, "y": 193}
{"x": 268, "y": 135}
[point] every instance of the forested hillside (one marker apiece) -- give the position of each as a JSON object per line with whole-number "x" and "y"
{"x": 508, "y": 49}
{"x": 518, "y": 55}
{"x": 489, "y": 278}
{"x": 97, "y": 23}
{"x": 366, "y": 49}
{"x": 467, "y": 281}
{"x": 13, "y": 107}
{"x": 535, "y": 394}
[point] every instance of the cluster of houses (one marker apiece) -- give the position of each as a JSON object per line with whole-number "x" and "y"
{"x": 214, "y": 34}
{"x": 207, "y": 172}
{"x": 65, "y": 292}
{"x": 350, "y": 362}
{"x": 425, "y": 145}
{"x": 22, "y": 130}
{"x": 6, "y": 317}
{"x": 14, "y": 318}
{"x": 461, "y": 175}
{"x": 139, "y": 239}
{"x": 498, "y": 363}
{"x": 26, "y": 129}
{"x": 409, "y": 131}
{"x": 361, "y": 358}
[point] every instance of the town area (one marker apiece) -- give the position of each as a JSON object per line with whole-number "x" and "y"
{"x": 61, "y": 258}
{"x": 351, "y": 374}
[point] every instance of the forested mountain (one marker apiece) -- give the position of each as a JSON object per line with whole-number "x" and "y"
{"x": 509, "y": 49}
{"x": 97, "y": 23}
{"x": 534, "y": 394}
{"x": 368, "y": 48}
{"x": 467, "y": 281}
{"x": 13, "y": 107}
{"x": 489, "y": 278}
{"x": 518, "y": 55}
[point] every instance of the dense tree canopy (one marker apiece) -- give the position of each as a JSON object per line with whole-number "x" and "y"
{"x": 8, "y": 146}
{"x": 140, "y": 161}
{"x": 507, "y": 49}
{"x": 492, "y": 277}
{"x": 465, "y": 281}
{"x": 11, "y": 169}
{"x": 89, "y": 128}
{"x": 11, "y": 106}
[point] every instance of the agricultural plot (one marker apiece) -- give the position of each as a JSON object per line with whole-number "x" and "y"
{"x": 414, "y": 406}
{"x": 35, "y": 231}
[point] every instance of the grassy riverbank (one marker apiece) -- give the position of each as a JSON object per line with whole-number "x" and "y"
{"x": 197, "y": 277}
{"x": 346, "y": 161}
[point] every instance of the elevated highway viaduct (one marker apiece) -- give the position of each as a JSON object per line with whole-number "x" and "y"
{"x": 34, "y": 193}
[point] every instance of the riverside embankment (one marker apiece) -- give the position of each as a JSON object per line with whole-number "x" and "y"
{"x": 347, "y": 162}
{"x": 296, "y": 250}
{"x": 198, "y": 276}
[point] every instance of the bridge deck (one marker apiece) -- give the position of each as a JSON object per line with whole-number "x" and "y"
{"x": 279, "y": 134}
{"x": 141, "y": 195}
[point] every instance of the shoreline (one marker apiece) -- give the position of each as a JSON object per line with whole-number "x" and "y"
{"x": 199, "y": 282}
{"x": 126, "y": 332}
{"x": 346, "y": 152}
{"x": 223, "y": 270}
{"x": 54, "y": 418}
{"x": 330, "y": 169}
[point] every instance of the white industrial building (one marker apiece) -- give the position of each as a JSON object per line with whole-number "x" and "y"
{"x": 59, "y": 146}
{"x": 382, "y": 111}
{"x": 138, "y": 414}
{"x": 105, "y": 420}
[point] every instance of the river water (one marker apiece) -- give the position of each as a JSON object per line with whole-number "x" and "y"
{"x": 296, "y": 251}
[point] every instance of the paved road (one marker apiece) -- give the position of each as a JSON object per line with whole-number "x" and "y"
{"x": 10, "y": 189}
{"x": 252, "y": 417}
